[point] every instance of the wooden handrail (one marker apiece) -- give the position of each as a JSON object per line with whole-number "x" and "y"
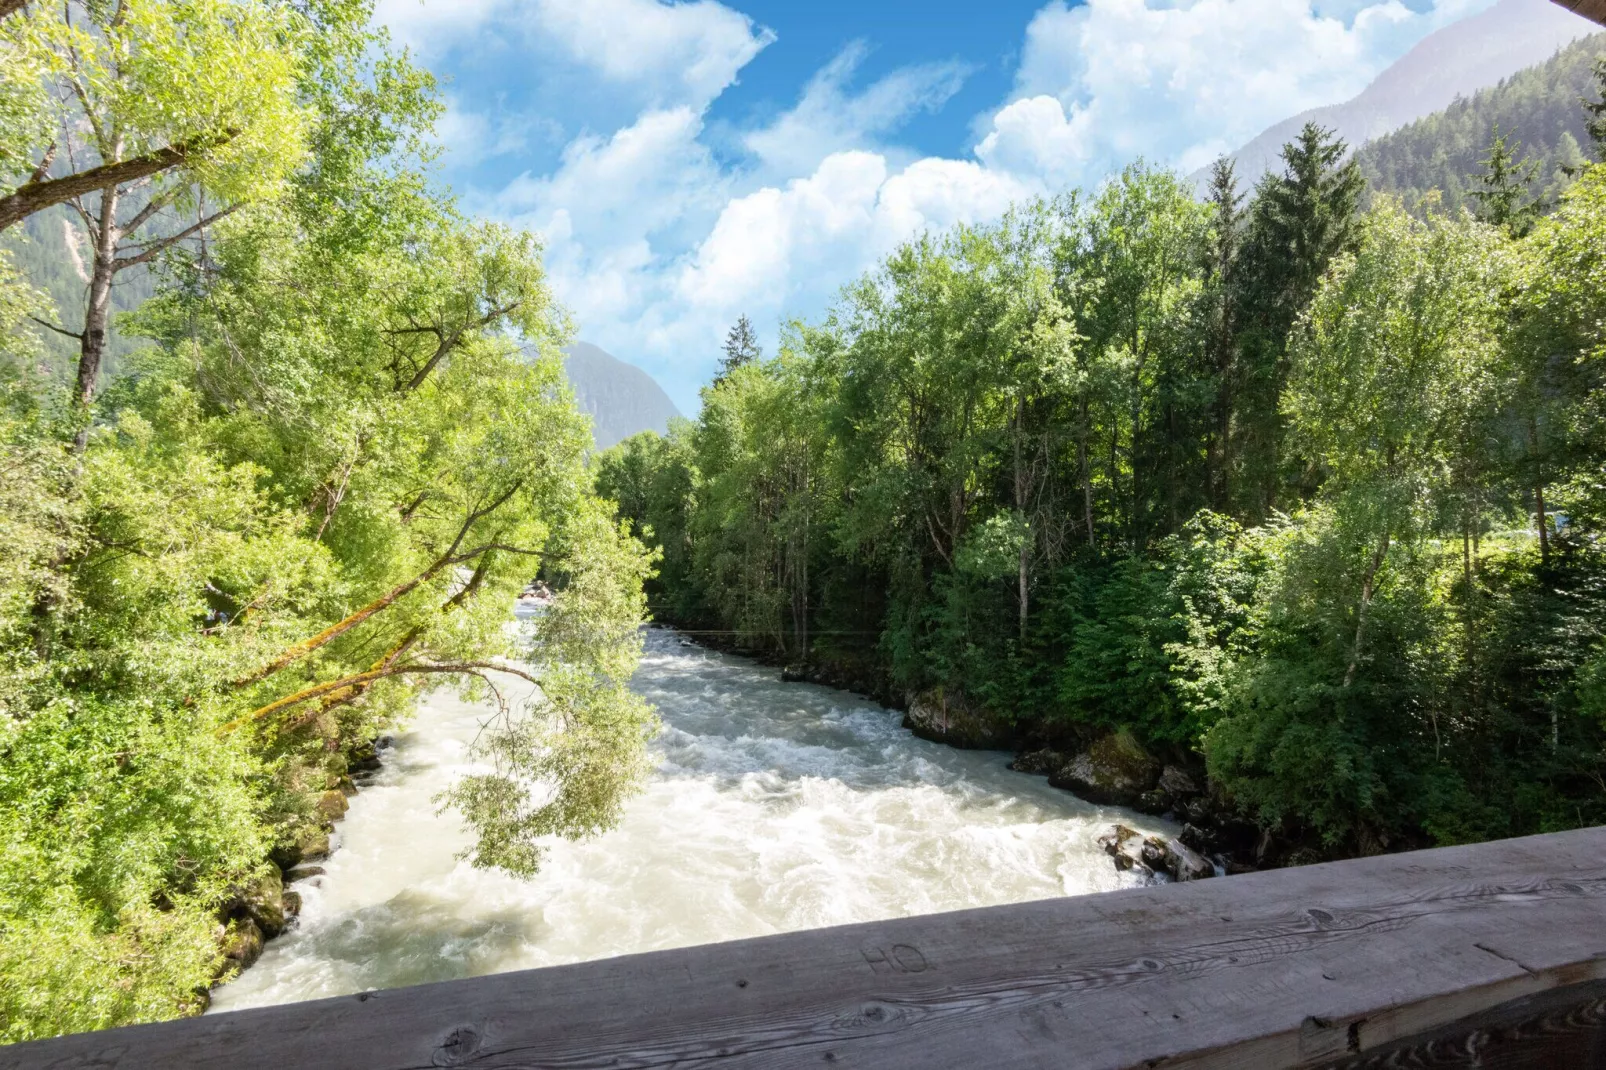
{"x": 1500, "y": 944}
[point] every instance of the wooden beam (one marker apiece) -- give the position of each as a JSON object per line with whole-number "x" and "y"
{"x": 1590, "y": 9}
{"x": 1298, "y": 967}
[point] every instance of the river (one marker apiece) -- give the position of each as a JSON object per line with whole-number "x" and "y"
{"x": 776, "y": 806}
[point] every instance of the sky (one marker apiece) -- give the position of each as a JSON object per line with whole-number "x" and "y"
{"x": 687, "y": 163}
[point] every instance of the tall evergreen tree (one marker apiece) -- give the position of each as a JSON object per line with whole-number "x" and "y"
{"x": 741, "y": 347}
{"x": 1221, "y": 313}
{"x": 1597, "y": 112}
{"x": 1502, "y": 192}
{"x": 1299, "y": 221}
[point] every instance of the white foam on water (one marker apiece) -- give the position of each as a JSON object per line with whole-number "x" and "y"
{"x": 775, "y": 807}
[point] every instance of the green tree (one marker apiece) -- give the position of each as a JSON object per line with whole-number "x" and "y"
{"x": 741, "y": 347}
{"x": 1503, "y": 199}
{"x": 1298, "y": 222}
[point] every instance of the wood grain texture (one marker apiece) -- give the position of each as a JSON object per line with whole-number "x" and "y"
{"x": 1297, "y": 967}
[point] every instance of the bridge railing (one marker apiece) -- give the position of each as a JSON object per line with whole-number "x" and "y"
{"x": 1490, "y": 955}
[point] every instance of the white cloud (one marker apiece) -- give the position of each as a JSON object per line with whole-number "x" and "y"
{"x": 1179, "y": 83}
{"x": 656, "y": 244}
{"x": 829, "y": 118}
{"x": 672, "y": 53}
{"x": 687, "y": 52}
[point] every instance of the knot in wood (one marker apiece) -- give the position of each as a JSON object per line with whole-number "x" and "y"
{"x": 459, "y": 1046}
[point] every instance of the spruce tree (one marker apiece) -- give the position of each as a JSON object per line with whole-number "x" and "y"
{"x": 1299, "y": 221}
{"x": 741, "y": 347}
{"x": 1226, "y": 207}
{"x": 1597, "y": 112}
{"x": 1502, "y": 193}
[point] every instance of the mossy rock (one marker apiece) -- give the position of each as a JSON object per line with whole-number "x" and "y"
{"x": 242, "y": 944}
{"x": 1115, "y": 770}
{"x": 947, "y": 717}
{"x": 263, "y": 900}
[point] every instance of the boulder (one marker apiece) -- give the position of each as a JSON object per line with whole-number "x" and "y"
{"x": 949, "y": 718}
{"x": 1125, "y": 847}
{"x": 314, "y": 845}
{"x": 263, "y": 902}
{"x": 301, "y": 873}
{"x": 242, "y": 944}
{"x": 1184, "y": 863}
{"x": 292, "y": 904}
{"x": 1175, "y": 782}
{"x": 1115, "y": 770}
{"x": 1154, "y": 803}
{"x": 1038, "y": 762}
{"x": 332, "y": 805}
{"x": 363, "y": 758}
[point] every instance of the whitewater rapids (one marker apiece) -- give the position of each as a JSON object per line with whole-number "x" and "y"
{"x": 775, "y": 806}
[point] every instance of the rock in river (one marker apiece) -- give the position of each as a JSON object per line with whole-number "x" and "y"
{"x": 1115, "y": 770}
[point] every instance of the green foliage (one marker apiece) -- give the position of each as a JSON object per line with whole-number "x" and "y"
{"x": 307, "y": 499}
{"x": 1310, "y": 493}
{"x": 1539, "y": 110}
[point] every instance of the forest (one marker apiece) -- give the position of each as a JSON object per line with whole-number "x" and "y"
{"x": 1303, "y": 494}
{"x": 336, "y": 445}
{"x": 1535, "y": 110}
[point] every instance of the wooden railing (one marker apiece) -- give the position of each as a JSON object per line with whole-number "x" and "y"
{"x": 1590, "y": 9}
{"x": 1492, "y": 955}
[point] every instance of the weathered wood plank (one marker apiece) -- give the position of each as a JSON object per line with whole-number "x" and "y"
{"x": 1590, "y": 9}
{"x": 1564, "y": 1028}
{"x": 1294, "y": 967}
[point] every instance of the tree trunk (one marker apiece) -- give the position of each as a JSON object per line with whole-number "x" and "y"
{"x": 97, "y": 313}
{"x": 1539, "y": 492}
{"x": 1021, "y": 495}
{"x": 1368, "y": 588}
{"x": 1085, "y": 469}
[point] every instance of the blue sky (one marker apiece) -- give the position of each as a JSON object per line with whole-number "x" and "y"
{"x": 689, "y": 162}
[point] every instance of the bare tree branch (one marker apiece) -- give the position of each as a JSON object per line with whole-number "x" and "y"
{"x": 59, "y": 330}
{"x": 361, "y": 679}
{"x": 154, "y": 205}
{"x": 31, "y": 197}
{"x": 155, "y": 248}
{"x": 39, "y": 173}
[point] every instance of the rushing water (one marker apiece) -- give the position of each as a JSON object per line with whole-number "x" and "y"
{"x": 776, "y": 806}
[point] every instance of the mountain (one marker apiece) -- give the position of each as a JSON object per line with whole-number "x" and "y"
{"x": 1537, "y": 109}
{"x": 621, "y": 398}
{"x": 1453, "y": 62}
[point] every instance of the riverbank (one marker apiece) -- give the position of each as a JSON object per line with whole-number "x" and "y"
{"x": 1113, "y": 768}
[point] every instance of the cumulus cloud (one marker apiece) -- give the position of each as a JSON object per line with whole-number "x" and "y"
{"x": 656, "y": 243}
{"x": 673, "y": 53}
{"x": 1179, "y": 83}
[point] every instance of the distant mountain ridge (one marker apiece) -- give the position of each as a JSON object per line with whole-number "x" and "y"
{"x": 1456, "y": 61}
{"x": 621, "y": 399}
{"x": 1539, "y": 112}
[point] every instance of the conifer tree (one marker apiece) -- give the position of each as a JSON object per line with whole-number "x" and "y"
{"x": 1226, "y": 208}
{"x": 741, "y": 347}
{"x": 1299, "y": 221}
{"x": 1597, "y": 112}
{"x": 1502, "y": 196}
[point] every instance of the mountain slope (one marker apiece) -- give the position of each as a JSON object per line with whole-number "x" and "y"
{"x": 1537, "y": 109}
{"x": 1453, "y": 62}
{"x": 621, "y": 398}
